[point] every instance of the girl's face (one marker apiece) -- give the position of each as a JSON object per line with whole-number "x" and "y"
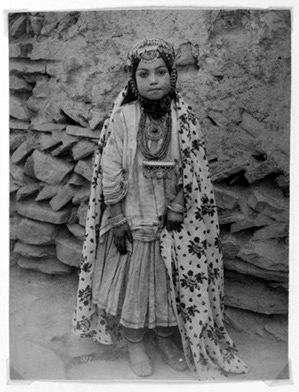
{"x": 153, "y": 79}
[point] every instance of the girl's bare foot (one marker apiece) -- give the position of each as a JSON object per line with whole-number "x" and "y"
{"x": 172, "y": 355}
{"x": 140, "y": 362}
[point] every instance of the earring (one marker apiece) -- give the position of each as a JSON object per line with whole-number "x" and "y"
{"x": 133, "y": 88}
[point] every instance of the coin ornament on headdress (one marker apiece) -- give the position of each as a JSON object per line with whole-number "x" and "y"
{"x": 149, "y": 56}
{"x": 149, "y": 50}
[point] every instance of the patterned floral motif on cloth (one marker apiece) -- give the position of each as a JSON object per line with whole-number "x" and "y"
{"x": 192, "y": 257}
{"x": 193, "y": 260}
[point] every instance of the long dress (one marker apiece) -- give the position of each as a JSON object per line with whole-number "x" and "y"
{"x": 192, "y": 257}
{"x": 135, "y": 287}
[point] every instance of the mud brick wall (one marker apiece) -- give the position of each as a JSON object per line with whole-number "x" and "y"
{"x": 66, "y": 68}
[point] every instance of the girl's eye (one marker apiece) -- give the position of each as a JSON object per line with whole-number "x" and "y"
{"x": 162, "y": 72}
{"x": 142, "y": 75}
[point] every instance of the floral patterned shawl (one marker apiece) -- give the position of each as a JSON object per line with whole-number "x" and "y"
{"x": 192, "y": 257}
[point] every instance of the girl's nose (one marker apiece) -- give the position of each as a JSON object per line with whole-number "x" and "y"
{"x": 153, "y": 79}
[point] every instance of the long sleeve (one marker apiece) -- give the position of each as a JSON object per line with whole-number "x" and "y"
{"x": 114, "y": 184}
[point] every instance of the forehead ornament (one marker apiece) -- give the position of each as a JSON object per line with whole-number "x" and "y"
{"x": 149, "y": 56}
{"x": 149, "y": 50}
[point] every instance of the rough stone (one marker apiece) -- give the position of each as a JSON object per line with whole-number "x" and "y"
{"x": 13, "y": 259}
{"x": 18, "y": 175}
{"x": 20, "y": 50}
{"x": 27, "y": 67}
{"x": 36, "y": 233}
{"x": 34, "y": 251}
{"x": 14, "y": 222}
{"x": 36, "y": 24}
{"x": 20, "y": 125}
{"x": 77, "y": 230}
{"x": 250, "y": 223}
{"x": 48, "y": 127}
{"x": 276, "y": 230}
{"x": 69, "y": 249}
{"x": 82, "y": 194}
{"x": 77, "y": 111}
{"x": 283, "y": 181}
{"x": 230, "y": 216}
{"x": 51, "y": 111}
{"x": 276, "y": 208}
{"x": 48, "y": 169}
{"x": 12, "y": 207}
{"x": 18, "y": 27}
{"x": 82, "y": 150}
{"x": 36, "y": 104}
{"x": 219, "y": 119}
{"x": 17, "y": 83}
{"x": 224, "y": 170}
{"x": 225, "y": 199}
{"x": 96, "y": 119}
{"x": 279, "y": 285}
{"x": 49, "y": 265}
{"x": 76, "y": 180}
{"x": 85, "y": 169}
{"x": 18, "y": 109}
{"x": 47, "y": 192}
{"x": 245, "y": 268}
{"x": 278, "y": 329}
{"x": 67, "y": 144}
{"x": 230, "y": 246}
{"x": 49, "y": 51}
{"x": 26, "y": 191}
{"x": 260, "y": 170}
{"x": 41, "y": 211}
{"x": 252, "y": 125}
{"x": 41, "y": 89}
{"x": 13, "y": 187}
{"x": 83, "y": 132}
{"x": 62, "y": 197}
{"x": 260, "y": 324}
{"x": 82, "y": 214}
{"x": 253, "y": 294}
{"x": 29, "y": 168}
{"x": 268, "y": 255}
{"x": 46, "y": 141}
{"x": 185, "y": 55}
{"x": 243, "y": 320}
{"x": 22, "y": 152}
{"x": 15, "y": 140}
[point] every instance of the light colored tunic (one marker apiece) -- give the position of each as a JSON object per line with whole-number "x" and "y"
{"x": 144, "y": 200}
{"x": 135, "y": 286}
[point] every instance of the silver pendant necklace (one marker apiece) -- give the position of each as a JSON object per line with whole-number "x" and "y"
{"x": 155, "y": 130}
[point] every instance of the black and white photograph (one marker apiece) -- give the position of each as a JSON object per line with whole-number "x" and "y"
{"x": 149, "y": 195}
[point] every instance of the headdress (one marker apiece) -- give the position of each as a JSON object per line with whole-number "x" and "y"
{"x": 148, "y": 50}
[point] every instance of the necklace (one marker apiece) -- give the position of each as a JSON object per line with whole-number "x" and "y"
{"x": 154, "y": 130}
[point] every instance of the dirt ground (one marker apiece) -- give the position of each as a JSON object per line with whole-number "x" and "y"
{"x": 42, "y": 346}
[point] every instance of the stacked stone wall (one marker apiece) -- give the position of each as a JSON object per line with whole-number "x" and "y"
{"x": 66, "y": 69}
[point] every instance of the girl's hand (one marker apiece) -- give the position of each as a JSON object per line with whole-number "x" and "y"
{"x": 120, "y": 235}
{"x": 174, "y": 220}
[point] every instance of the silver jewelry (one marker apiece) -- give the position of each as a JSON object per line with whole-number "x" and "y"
{"x": 158, "y": 169}
{"x": 175, "y": 207}
{"x": 156, "y": 129}
{"x": 118, "y": 220}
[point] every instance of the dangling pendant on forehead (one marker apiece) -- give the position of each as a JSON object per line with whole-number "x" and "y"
{"x": 149, "y": 56}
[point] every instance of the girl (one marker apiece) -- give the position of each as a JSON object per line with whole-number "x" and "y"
{"x": 151, "y": 258}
